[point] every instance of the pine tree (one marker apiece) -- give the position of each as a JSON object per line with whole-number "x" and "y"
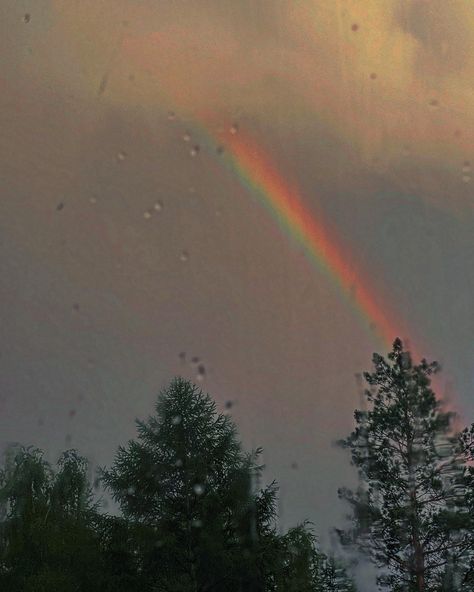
{"x": 410, "y": 513}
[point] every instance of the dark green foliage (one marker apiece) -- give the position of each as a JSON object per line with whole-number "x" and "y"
{"x": 186, "y": 481}
{"x": 47, "y": 538}
{"x": 194, "y": 517}
{"x": 410, "y": 513}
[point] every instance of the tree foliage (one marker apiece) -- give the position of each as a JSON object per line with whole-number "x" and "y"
{"x": 410, "y": 513}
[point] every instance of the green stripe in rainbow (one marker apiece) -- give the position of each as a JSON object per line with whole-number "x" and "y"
{"x": 258, "y": 174}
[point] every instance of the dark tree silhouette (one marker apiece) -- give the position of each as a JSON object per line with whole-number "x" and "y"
{"x": 410, "y": 513}
{"x": 188, "y": 483}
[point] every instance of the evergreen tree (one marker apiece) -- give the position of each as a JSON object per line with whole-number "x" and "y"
{"x": 410, "y": 513}
{"x": 187, "y": 483}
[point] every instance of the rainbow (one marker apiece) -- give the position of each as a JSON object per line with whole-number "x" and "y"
{"x": 257, "y": 173}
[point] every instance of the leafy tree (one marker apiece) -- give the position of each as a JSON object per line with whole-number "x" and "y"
{"x": 410, "y": 513}
{"x": 47, "y": 538}
{"x": 187, "y": 483}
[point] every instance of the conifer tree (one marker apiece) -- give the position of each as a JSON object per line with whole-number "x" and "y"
{"x": 410, "y": 514}
{"x": 186, "y": 481}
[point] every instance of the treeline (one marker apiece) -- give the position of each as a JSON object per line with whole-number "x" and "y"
{"x": 193, "y": 516}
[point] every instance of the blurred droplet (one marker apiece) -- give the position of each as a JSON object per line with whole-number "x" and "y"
{"x": 187, "y": 137}
{"x": 27, "y": 17}
{"x": 182, "y": 356}
{"x": 197, "y": 523}
{"x": 131, "y": 490}
{"x": 228, "y": 404}
{"x": 179, "y": 463}
{"x": 176, "y": 420}
{"x": 60, "y": 206}
{"x": 194, "y": 150}
{"x": 355, "y": 27}
{"x": 147, "y": 215}
{"x": 121, "y": 155}
{"x": 171, "y": 115}
{"x": 194, "y": 361}
{"x": 72, "y": 413}
{"x": 294, "y": 465}
{"x": 76, "y": 307}
{"x": 220, "y": 149}
{"x": 93, "y": 200}
{"x": 198, "y": 489}
{"x": 184, "y": 256}
{"x": 466, "y": 178}
{"x": 40, "y": 421}
{"x": 158, "y": 206}
{"x": 466, "y": 168}
{"x": 434, "y": 103}
{"x": 234, "y": 128}
{"x": 373, "y": 76}
{"x": 68, "y": 438}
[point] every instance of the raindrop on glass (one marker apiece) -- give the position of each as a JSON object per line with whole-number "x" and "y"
{"x": 93, "y": 200}
{"x": 198, "y": 489}
{"x": 466, "y": 178}
{"x": 176, "y": 420}
{"x": 194, "y": 150}
{"x": 158, "y": 206}
{"x": 194, "y": 361}
{"x": 197, "y": 523}
{"x": 147, "y": 215}
{"x": 121, "y": 155}
{"x": 355, "y": 27}
{"x": 27, "y": 18}
{"x": 182, "y": 356}
{"x": 234, "y": 128}
{"x": 184, "y": 256}
{"x": 179, "y": 463}
{"x": 76, "y": 307}
{"x": 373, "y": 76}
{"x": 131, "y": 490}
{"x": 60, "y": 206}
{"x": 228, "y": 404}
{"x": 187, "y": 137}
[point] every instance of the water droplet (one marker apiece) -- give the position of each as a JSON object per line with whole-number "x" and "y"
{"x": 466, "y": 178}
{"x": 197, "y": 523}
{"x": 466, "y": 166}
{"x": 294, "y": 465}
{"x": 131, "y": 77}
{"x": 26, "y": 17}
{"x": 198, "y": 489}
{"x": 147, "y": 215}
{"x": 184, "y": 256}
{"x": 131, "y": 490}
{"x": 158, "y": 206}
{"x": 373, "y": 76}
{"x": 187, "y": 137}
{"x": 355, "y": 27}
{"x": 182, "y": 356}
{"x": 68, "y": 438}
{"x": 121, "y": 155}
{"x": 434, "y": 103}
{"x": 194, "y": 150}
{"x": 229, "y": 404}
{"x": 194, "y": 361}
{"x": 179, "y": 463}
{"x": 72, "y": 413}
{"x": 176, "y": 420}
{"x": 234, "y": 128}
{"x": 60, "y": 206}
{"x": 76, "y": 307}
{"x": 220, "y": 149}
{"x": 93, "y": 200}
{"x": 171, "y": 115}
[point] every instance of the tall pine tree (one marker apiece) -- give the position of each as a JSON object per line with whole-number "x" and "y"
{"x": 410, "y": 513}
